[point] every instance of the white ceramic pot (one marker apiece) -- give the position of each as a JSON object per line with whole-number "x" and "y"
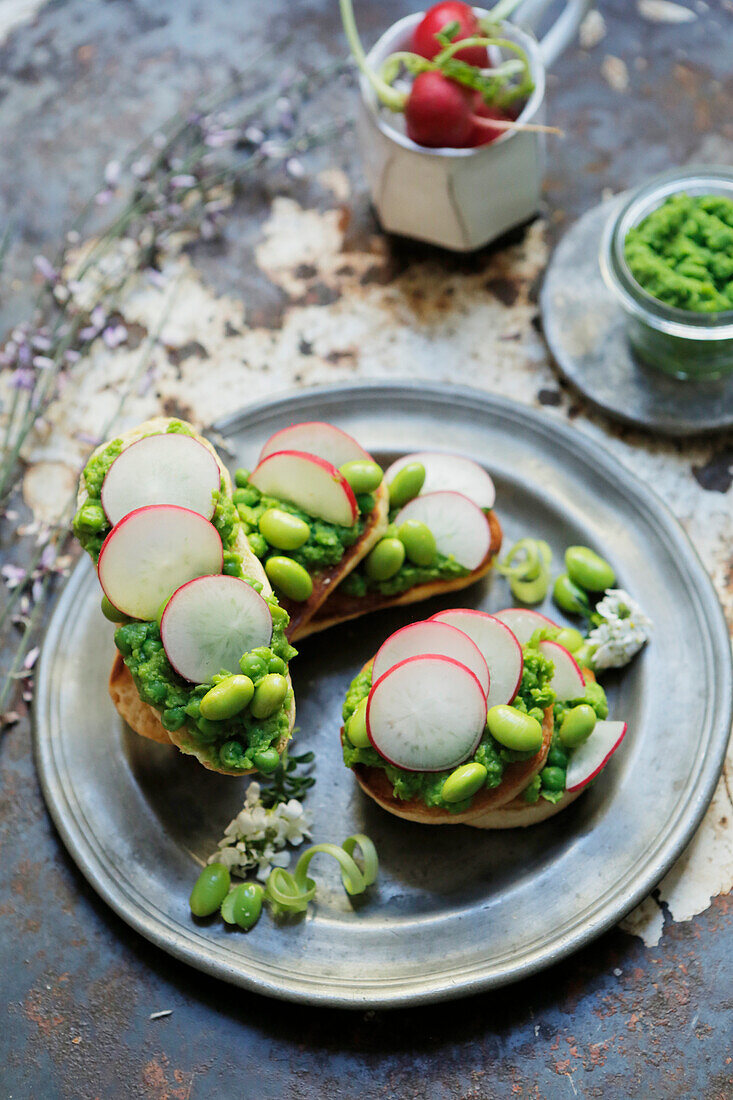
{"x": 460, "y": 198}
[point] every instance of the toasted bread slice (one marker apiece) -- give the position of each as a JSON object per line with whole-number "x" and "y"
{"x": 375, "y": 783}
{"x": 145, "y": 720}
{"x": 339, "y": 607}
{"x": 301, "y": 614}
{"x": 518, "y": 814}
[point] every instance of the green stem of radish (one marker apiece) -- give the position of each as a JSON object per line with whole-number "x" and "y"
{"x": 499, "y": 13}
{"x": 387, "y": 95}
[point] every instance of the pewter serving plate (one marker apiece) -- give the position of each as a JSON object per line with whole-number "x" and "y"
{"x": 455, "y": 910}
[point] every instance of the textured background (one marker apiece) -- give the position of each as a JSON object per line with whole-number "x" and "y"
{"x": 304, "y": 289}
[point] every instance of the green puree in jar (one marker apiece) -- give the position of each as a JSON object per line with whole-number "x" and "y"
{"x": 535, "y": 694}
{"x": 682, "y": 253}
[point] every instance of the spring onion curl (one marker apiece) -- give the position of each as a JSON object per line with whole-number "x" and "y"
{"x": 527, "y": 568}
{"x": 291, "y": 893}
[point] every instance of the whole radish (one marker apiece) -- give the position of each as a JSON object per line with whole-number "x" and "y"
{"x": 483, "y": 133}
{"x": 438, "y": 112}
{"x": 425, "y": 43}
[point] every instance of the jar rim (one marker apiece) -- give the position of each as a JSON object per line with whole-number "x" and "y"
{"x": 636, "y": 205}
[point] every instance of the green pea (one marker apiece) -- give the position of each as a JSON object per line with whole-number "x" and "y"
{"x": 584, "y": 656}
{"x": 362, "y": 476}
{"x": 248, "y": 497}
{"x": 266, "y": 760}
{"x": 577, "y": 725}
{"x": 208, "y": 730}
{"x": 385, "y": 560}
{"x": 289, "y": 577}
{"x": 151, "y": 646}
{"x": 91, "y": 517}
{"x": 269, "y": 695}
{"x": 553, "y": 779}
{"x": 227, "y": 698}
{"x": 588, "y": 569}
{"x": 279, "y": 615}
{"x": 231, "y": 755}
{"x": 254, "y": 666}
{"x": 210, "y": 889}
{"x": 418, "y": 541}
{"x": 365, "y": 503}
{"x": 173, "y": 718}
{"x": 463, "y": 782}
{"x": 513, "y": 729}
{"x": 406, "y": 484}
{"x": 570, "y": 638}
{"x": 243, "y": 905}
{"x": 557, "y": 757}
{"x": 356, "y": 729}
{"x": 276, "y": 664}
{"x": 257, "y": 544}
{"x": 284, "y": 530}
{"x": 113, "y": 613}
{"x": 241, "y": 477}
{"x": 569, "y": 596}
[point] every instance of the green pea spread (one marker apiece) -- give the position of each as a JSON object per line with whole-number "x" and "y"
{"x": 534, "y": 695}
{"x": 682, "y": 253}
{"x": 232, "y": 742}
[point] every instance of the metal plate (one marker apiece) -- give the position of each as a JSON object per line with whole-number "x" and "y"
{"x": 456, "y": 910}
{"x": 586, "y": 332}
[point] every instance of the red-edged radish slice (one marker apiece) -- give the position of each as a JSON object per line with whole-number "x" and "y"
{"x": 460, "y": 528}
{"x": 567, "y": 679}
{"x": 450, "y": 472}
{"x": 592, "y": 755}
{"x": 152, "y": 552}
{"x": 440, "y": 639}
{"x": 317, "y": 438}
{"x": 501, "y": 650}
{"x": 522, "y": 622}
{"x": 210, "y": 623}
{"x": 427, "y": 714}
{"x": 310, "y": 483}
{"x": 168, "y": 468}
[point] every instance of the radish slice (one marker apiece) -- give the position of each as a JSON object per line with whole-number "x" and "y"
{"x": 501, "y": 650}
{"x": 152, "y": 552}
{"x": 317, "y": 438}
{"x": 210, "y": 623}
{"x": 460, "y": 528}
{"x": 434, "y": 638}
{"x": 522, "y": 622}
{"x": 592, "y": 755}
{"x": 310, "y": 483}
{"x": 450, "y": 472}
{"x": 427, "y": 714}
{"x": 567, "y": 679}
{"x": 168, "y": 468}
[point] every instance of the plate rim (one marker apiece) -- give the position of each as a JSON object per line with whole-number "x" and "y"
{"x": 331, "y": 992}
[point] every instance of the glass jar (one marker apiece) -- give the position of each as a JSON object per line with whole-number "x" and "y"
{"x": 680, "y": 342}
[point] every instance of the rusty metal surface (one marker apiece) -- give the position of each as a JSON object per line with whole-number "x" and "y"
{"x": 82, "y": 84}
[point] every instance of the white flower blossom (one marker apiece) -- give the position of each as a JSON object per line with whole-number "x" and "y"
{"x": 624, "y": 629}
{"x": 257, "y": 836}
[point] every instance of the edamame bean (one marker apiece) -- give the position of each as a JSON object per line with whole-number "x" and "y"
{"x": 362, "y": 476}
{"x": 90, "y": 517}
{"x": 290, "y": 577}
{"x": 577, "y": 725}
{"x": 254, "y": 666}
{"x": 463, "y": 782}
{"x": 112, "y": 613}
{"x": 269, "y": 695}
{"x": 356, "y": 729}
{"x": 283, "y": 530}
{"x": 209, "y": 890}
{"x": 418, "y": 541}
{"x": 243, "y": 905}
{"x": 514, "y": 729}
{"x": 227, "y": 698}
{"x": 588, "y": 569}
{"x": 266, "y": 760}
{"x": 241, "y": 477}
{"x": 406, "y": 484}
{"x": 570, "y": 638}
{"x": 553, "y": 779}
{"x": 569, "y": 596}
{"x": 584, "y": 656}
{"x": 385, "y": 560}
